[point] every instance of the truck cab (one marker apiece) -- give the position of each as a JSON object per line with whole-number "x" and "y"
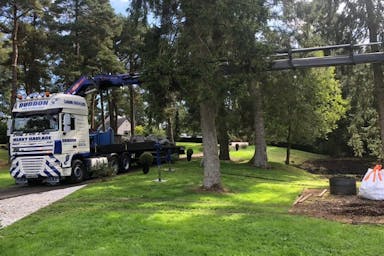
{"x": 48, "y": 132}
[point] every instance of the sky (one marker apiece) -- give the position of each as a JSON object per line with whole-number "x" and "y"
{"x": 120, "y": 6}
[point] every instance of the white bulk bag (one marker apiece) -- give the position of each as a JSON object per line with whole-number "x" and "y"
{"x": 372, "y": 185}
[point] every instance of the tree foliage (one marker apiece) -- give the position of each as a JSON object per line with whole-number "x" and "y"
{"x": 203, "y": 68}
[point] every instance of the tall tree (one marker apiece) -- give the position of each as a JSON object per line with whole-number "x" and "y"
{"x": 13, "y": 12}
{"x": 303, "y": 106}
{"x": 83, "y": 38}
{"x": 345, "y": 21}
{"x": 373, "y": 18}
{"x": 209, "y": 34}
{"x": 33, "y": 54}
{"x": 6, "y": 75}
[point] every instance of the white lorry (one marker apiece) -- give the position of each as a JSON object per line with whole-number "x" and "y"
{"x": 50, "y": 141}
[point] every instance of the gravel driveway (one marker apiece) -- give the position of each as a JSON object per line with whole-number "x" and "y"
{"x": 16, "y": 208}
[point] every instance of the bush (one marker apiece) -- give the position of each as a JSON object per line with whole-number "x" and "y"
{"x": 146, "y": 159}
{"x": 139, "y": 130}
{"x": 174, "y": 157}
{"x": 160, "y": 133}
{"x": 3, "y": 133}
{"x": 189, "y": 154}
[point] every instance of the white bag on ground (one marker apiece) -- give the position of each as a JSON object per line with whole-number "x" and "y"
{"x": 372, "y": 185}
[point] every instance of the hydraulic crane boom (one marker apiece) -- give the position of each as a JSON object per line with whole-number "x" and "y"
{"x": 86, "y": 85}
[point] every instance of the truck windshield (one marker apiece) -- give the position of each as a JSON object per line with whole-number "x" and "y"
{"x": 36, "y": 123}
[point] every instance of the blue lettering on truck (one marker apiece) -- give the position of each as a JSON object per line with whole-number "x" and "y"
{"x": 19, "y": 139}
{"x": 33, "y": 104}
{"x": 73, "y": 102}
{"x": 69, "y": 140}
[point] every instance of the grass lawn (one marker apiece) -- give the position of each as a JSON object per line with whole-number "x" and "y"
{"x": 5, "y": 178}
{"x": 132, "y": 215}
{"x": 275, "y": 154}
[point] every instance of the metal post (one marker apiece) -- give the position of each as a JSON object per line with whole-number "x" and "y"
{"x": 102, "y": 110}
{"x": 132, "y": 105}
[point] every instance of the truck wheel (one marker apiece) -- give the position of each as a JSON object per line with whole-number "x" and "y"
{"x": 78, "y": 171}
{"x": 113, "y": 163}
{"x": 125, "y": 162}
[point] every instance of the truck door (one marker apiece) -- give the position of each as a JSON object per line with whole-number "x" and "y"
{"x": 69, "y": 134}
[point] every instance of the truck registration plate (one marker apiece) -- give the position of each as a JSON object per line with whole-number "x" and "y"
{"x": 31, "y": 176}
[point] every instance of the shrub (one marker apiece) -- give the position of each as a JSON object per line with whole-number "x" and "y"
{"x": 139, "y": 130}
{"x": 3, "y": 133}
{"x": 189, "y": 154}
{"x": 160, "y": 133}
{"x": 146, "y": 159}
{"x": 174, "y": 157}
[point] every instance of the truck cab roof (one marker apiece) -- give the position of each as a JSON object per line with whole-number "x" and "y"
{"x": 71, "y": 103}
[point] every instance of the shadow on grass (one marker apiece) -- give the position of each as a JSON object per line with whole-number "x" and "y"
{"x": 132, "y": 215}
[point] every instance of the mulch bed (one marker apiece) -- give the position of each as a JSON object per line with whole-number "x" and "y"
{"x": 345, "y": 209}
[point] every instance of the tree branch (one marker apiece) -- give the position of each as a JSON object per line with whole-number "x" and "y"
{"x": 24, "y": 13}
{"x": 5, "y": 29}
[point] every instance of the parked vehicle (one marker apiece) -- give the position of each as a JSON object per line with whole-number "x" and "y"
{"x": 50, "y": 138}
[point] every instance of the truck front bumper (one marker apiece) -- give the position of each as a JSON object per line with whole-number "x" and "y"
{"x": 33, "y": 167}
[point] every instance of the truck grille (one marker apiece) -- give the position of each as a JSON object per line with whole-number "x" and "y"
{"x": 32, "y": 165}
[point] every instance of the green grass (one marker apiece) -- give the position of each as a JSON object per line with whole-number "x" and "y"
{"x": 5, "y": 178}
{"x": 132, "y": 215}
{"x": 275, "y": 154}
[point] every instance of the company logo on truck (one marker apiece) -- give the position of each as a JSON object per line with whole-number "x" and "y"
{"x": 73, "y": 102}
{"x": 31, "y": 104}
{"x": 69, "y": 140}
{"x": 36, "y": 138}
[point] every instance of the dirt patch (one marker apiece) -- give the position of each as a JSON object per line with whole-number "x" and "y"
{"x": 345, "y": 209}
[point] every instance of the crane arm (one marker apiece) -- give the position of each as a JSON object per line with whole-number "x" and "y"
{"x": 84, "y": 85}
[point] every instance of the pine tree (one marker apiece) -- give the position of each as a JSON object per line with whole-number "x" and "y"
{"x": 14, "y": 11}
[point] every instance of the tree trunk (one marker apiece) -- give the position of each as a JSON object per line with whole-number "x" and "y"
{"x": 28, "y": 85}
{"x": 212, "y": 177}
{"x": 223, "y": 135}
{"x": 132, "y": 106}
{"x": 77, "y": 43}
{"x": 260, "y": 156}
{"x": 224, "y": 144}
{"x": 15, "y": 55}
{"x": 377, "y": 69}
{"x": 176, "y": 133}
{"x": 170, "y": 130}
{"x": 288, "y": 155}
